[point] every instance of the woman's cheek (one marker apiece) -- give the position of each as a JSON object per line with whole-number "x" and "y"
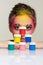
{"x": 30, "y": 31}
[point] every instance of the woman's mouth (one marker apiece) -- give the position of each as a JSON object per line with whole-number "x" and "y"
{"x": 22, "y": 39}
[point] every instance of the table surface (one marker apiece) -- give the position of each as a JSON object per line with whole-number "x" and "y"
{"x": 18, "y": 57}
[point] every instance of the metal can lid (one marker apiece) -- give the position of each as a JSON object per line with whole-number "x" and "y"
{"x": 28, "y": 35}
{"x": 22, "y": 43}
{"x": 17, "y": 35}
{"x": 22, "y": 27}
{"x": 11, "y": 43}
{"x": 32, "y": 43}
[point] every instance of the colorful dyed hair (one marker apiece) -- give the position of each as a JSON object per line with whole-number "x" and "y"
{"x": 20, "y": 9}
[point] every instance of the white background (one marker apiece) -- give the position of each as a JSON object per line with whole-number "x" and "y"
{"x": 18, "y": 57}
{"x": 5, "y": 8}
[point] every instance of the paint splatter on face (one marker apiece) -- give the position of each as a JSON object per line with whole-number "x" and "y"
{"x": 23, "y": 12}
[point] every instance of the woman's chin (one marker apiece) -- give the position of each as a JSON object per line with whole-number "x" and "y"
{"x": 22, "y": 40}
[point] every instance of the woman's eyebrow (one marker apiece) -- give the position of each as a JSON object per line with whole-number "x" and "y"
{"x": 29, "y": 26}
{"x": 16, "y": 24}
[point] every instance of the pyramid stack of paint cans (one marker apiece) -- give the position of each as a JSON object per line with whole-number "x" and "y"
{"x": 22, "y": 45}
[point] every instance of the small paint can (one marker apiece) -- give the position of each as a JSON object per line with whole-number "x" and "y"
{"x": 22, "y": 46}
{"x": 22, "y": 30}
{"x": 28, "y": 38}
{"x": 11, "y": 45}
{"x": 32, "y": 46}
{"x": 17, "y": 38}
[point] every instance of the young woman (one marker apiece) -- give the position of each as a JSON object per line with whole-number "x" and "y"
{"x": 22, "y": 15}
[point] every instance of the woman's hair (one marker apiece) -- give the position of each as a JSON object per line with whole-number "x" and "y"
{"x": 20, "y": 9}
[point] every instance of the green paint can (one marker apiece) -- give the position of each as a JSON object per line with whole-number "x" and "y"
{"x": 11, "y": 45}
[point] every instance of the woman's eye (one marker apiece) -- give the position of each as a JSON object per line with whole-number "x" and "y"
{"x": 16, "y": 27}
{"x": 28, "y": 27}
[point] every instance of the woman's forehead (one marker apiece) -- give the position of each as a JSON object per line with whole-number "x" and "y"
{"x": 23, "y": 18}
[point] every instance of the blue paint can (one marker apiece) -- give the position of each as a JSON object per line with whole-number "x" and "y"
{"x": 28, "y": 38}
{"x": 32, "y": 46}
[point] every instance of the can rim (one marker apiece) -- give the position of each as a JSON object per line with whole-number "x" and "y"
{"x": 22, "y": 43}
{"x": 17, "y": 35}
{"x": 22, "y": 27}
{"x": 32, "y": 43}
{"x": 12, "y": 43}
{"x": 28, "y": 35}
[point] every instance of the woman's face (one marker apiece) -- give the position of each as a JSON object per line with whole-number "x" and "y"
{"x": 22, "y": 20}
